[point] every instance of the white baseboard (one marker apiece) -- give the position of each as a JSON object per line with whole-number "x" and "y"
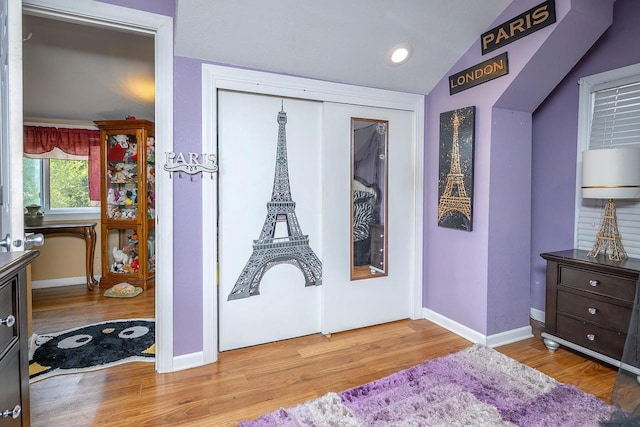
{"x": 508, "y": 337}
{"x": 54, "y": 283}
{"x": 188, "y": 361}
{"x": 537, "y": 315}
{"x": 475, "y": 337}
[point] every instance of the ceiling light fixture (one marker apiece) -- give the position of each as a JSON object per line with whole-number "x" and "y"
{"x": 399, "y": 54}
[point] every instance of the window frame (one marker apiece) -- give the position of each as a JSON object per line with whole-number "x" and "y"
{"x": 589, "y": 85}
{"x": 62, "y": 214}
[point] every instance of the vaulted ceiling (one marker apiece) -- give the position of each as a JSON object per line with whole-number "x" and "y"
{"x": 75, "y": 72}
{"x": 338, "y": 40}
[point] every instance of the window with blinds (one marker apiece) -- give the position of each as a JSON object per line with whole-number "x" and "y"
{"x": 611, "y": 110}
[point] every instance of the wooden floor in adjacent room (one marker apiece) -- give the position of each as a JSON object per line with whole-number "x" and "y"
{"x": 245, "y": 383}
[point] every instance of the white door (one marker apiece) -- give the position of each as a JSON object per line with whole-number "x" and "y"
{"x": 349, "y": 304}
{"x": 12, "y": 219}
{"x": 283, "y": 302}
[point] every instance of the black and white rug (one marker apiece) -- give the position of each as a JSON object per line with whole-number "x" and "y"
{"x": 91, "y": 347}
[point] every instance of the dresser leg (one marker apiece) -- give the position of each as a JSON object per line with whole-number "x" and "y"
{"x": 551, "y": 345}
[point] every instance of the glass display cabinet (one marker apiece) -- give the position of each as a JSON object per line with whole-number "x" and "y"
{"x": 127, "y": 202}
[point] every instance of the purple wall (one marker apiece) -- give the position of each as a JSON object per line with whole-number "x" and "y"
{"x": 187, "y": 207}
{"x": 509, "y": 219}
{"x": 161, "y": 7}
{"x": 481, "y": 279}
{"x": 554, "y": 142}
{"x": 187, "y": 210}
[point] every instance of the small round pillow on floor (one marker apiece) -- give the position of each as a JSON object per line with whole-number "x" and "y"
{"x": 123, "y": 290}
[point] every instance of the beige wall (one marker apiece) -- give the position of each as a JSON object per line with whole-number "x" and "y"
{"x": 63, "y": 256}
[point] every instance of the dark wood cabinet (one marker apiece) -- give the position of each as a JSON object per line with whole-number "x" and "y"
{"x": 589, "y": 302}
{"x": 14, "y": 339}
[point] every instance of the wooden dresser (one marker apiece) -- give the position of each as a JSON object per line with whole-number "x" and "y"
{"x": 589, "y": 303}
{"x": 14, "y": 339}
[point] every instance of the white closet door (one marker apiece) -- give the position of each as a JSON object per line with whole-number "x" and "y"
{"x": 247, "y": 143}
{"x": 319, "y": 164}
{"x": 349, "y": 304}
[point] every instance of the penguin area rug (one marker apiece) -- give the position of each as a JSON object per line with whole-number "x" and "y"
{"x": 477, "y": 386}
{"x": 91, "y": 347}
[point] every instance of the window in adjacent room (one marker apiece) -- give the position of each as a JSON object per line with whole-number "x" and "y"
{"x": 56, "y": 184}
{"x": 61, "y": 169}
{"x": 608, "y": 117}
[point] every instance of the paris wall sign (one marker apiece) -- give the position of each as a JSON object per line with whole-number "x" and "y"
{"x": 522, "y": 25}
{"x": 455, "y": 179}
{"x": 191, "y": 164}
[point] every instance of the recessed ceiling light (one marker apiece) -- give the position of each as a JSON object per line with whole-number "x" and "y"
{"x": 399, "y": 54}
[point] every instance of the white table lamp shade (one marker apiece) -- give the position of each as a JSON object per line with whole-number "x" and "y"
{"x": 611, "y": 173}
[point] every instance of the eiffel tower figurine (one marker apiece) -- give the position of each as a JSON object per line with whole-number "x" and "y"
{"x": 452, "y": 201}
{"x": 608, "y": 238}
{"x": 269, "y": 251}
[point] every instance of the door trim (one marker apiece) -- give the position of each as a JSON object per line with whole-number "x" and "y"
{"x": 120, "y": 18}
{"x": 216, "y": 77}
{"x": 11, "y": 157}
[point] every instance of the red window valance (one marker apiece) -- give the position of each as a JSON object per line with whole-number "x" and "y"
{"x": 77, "y": 142}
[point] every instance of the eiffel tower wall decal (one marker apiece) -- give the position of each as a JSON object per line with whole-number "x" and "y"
{"x": 271, "y": 249}
{"x": 455, "y": 180}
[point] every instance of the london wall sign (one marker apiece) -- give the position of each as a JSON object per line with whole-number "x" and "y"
{"x": 481, "y": 73}
{"x": 522, "y": 25}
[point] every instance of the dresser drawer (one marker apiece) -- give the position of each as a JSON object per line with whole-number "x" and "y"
{"x": 603, "y": 341}
{"x": 8, "y": 307}
{"x": 605, "y": 314}
{"x": 10, "y": 395}
{"x": 613, "y": 286}
{"x": 377, "y": 245}
{"x": 377, "y": 260}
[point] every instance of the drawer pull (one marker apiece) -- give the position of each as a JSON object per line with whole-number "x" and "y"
{"x": 9, "y": 321}
{"x": 591, "y": 337}
{"x": 593, "y": 283}
{"x": 13, "y": 413}
{"x": 592, "y": 310}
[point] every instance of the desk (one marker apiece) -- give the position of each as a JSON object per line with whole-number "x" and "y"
{"x": 86, "y": 230}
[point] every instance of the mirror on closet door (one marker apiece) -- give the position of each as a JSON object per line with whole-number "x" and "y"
{"x": 369, "y": 140}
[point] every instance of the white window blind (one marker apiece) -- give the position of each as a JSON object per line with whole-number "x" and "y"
{"x": 616, "y": 117}
{"x": 614, "y": 122}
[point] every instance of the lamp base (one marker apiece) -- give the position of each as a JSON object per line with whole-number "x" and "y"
{"x": 608, "y": 238}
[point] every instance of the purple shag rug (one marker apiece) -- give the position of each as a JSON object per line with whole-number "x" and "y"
{"x": 477, "y": 386}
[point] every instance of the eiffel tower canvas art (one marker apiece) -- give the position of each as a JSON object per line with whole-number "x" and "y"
{"x": 270, "y": 249}
{"x": 455, "y": 186}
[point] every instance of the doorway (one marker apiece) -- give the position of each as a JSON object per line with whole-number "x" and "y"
{"x": 70, "y": 82}
{"x": 160, "y": 28}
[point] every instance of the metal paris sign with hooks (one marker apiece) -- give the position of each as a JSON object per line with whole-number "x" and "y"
{"x": 191, "y": 164}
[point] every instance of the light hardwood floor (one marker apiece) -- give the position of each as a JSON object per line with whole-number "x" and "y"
{"x": 248, "y": 382}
